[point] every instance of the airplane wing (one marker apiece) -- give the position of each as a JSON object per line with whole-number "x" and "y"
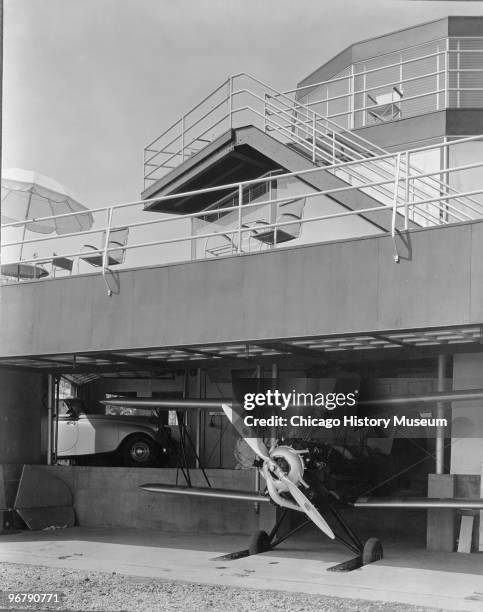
{"x": 175, "y": 404}
{"x": 217, "y": 404}
{"x": 416, "y": 503}
{"x": 446, "y": 396}
{"x": 206, "y": 492}
{"x": 422, "y": 503}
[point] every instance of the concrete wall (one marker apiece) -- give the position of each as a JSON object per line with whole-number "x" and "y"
{"x": 22, "y": 429}
{"x": 21, "y": 415}
{"x": 425, "y": 129}
{"x": 111, "y": 497}
{"x": 332, "y": 288}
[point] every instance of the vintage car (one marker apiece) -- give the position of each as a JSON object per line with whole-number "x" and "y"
{"x": 102, "y": 439}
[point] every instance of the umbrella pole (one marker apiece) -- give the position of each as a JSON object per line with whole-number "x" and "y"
{"x": 25, "y": 225}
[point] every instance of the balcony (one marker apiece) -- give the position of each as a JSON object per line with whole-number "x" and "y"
{"x": 279, "y": 210}
{"x": 441, "y": 74}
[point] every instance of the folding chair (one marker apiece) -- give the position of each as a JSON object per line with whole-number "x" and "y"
{"x": 61, "y": 263}
{"x": 287, "y": 211}
{"x": 386, "y": 106}
{"x": 117, "y": 238}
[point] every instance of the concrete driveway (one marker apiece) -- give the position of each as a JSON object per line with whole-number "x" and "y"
{"x": 406, "y": 575}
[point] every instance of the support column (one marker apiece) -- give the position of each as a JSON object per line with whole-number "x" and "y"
{"x": 198, "y": 422}
{"x": 440, "y": 535}
{"x": 440, "y": 411}
{"x": 50, "y": 417}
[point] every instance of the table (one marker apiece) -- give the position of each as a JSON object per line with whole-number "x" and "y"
{"x": 23, "y": 271}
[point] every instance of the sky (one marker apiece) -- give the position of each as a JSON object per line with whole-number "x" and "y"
{"x": 88, "y": 83}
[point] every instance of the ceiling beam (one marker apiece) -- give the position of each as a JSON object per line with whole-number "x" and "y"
{"x": 293, "y": 349}
{"x": 145, "y": 364}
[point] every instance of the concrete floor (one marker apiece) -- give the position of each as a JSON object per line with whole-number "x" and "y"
{"x": 407, "y": 574}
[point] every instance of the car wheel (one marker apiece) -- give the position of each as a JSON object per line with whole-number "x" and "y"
{"x": 139, "y": 451}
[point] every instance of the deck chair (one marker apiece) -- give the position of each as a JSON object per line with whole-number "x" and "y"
{"x": 223, "y": 245}
{"x": 287, "y": 211}
{"x": 387, "y": 106}
{"x": 61, "y": 263}
{"x": 117, "y": 238}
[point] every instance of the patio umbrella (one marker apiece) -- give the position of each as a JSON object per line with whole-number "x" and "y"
{"x": 27, "y": 194}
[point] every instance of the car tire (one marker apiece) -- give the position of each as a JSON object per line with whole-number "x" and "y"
{"x": 139, "y": 451}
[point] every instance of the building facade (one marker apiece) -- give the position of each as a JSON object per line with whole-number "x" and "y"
{"x": 329, "y": 231}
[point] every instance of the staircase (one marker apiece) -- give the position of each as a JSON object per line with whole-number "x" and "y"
{"x": 389, "y": 178}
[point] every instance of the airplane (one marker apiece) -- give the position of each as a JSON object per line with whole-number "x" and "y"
{"x": 295, "y": 475}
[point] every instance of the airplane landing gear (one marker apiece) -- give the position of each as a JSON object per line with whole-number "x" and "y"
{"x": 259, "y": 542}
{"x": 366, "y": 553}
{"x": 372, "y": 551}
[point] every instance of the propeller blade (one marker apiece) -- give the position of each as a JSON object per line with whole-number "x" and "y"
{"x": 309, "y": 509}
{"x": 256, "y": 444}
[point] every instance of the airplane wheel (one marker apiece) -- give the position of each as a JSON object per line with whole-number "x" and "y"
{"x": 372, "y": 551}
{"x": 259, "y": 542}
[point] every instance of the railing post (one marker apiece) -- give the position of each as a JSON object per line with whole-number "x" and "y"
{"x": 230, "y": 101}
{"x": 265, "y": 110}
{"x": 352, "y": 99}
{"x": 105, "y": 255}
{"x": 406, "y": 194}
{"x": 313, "y": 138}
{"x": 446, "y": 75}
{"x": 240, "y": 202}
{"x": 182, "y": 138}
{"x": 394, "y": 206}
{"x": 438, "y": 78}
{"x": 107, "y": 234}
{"x": 458, "y": 73}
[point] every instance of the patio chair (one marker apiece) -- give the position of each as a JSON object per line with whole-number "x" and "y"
{"x": 220, "y": 245}
{"x": 287, "y": 211}
{"x": 387, "y": 106}
{"x": 117, "y": 238}
{"x": 61, "y": 263}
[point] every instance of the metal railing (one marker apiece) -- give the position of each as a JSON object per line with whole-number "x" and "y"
{"x": 402, "y": 208}
{"x": 244, "y": 99}
{"x": 423, "y": 82}
{"x": 428, "y": 77}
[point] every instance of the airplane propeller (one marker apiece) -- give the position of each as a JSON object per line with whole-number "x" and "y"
{"x": 259, "y": 448}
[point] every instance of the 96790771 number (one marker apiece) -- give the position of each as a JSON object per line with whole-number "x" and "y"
{"x": 18, "y": 597}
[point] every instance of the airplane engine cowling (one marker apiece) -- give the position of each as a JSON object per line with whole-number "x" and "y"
{"x": 292, "y": 464}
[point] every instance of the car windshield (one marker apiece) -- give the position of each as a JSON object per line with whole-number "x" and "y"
{"x": 71, "y": 407}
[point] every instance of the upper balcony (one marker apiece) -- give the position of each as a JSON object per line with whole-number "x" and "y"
{"x": 422, "y": 69}
{"x": 325, "y": 118}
